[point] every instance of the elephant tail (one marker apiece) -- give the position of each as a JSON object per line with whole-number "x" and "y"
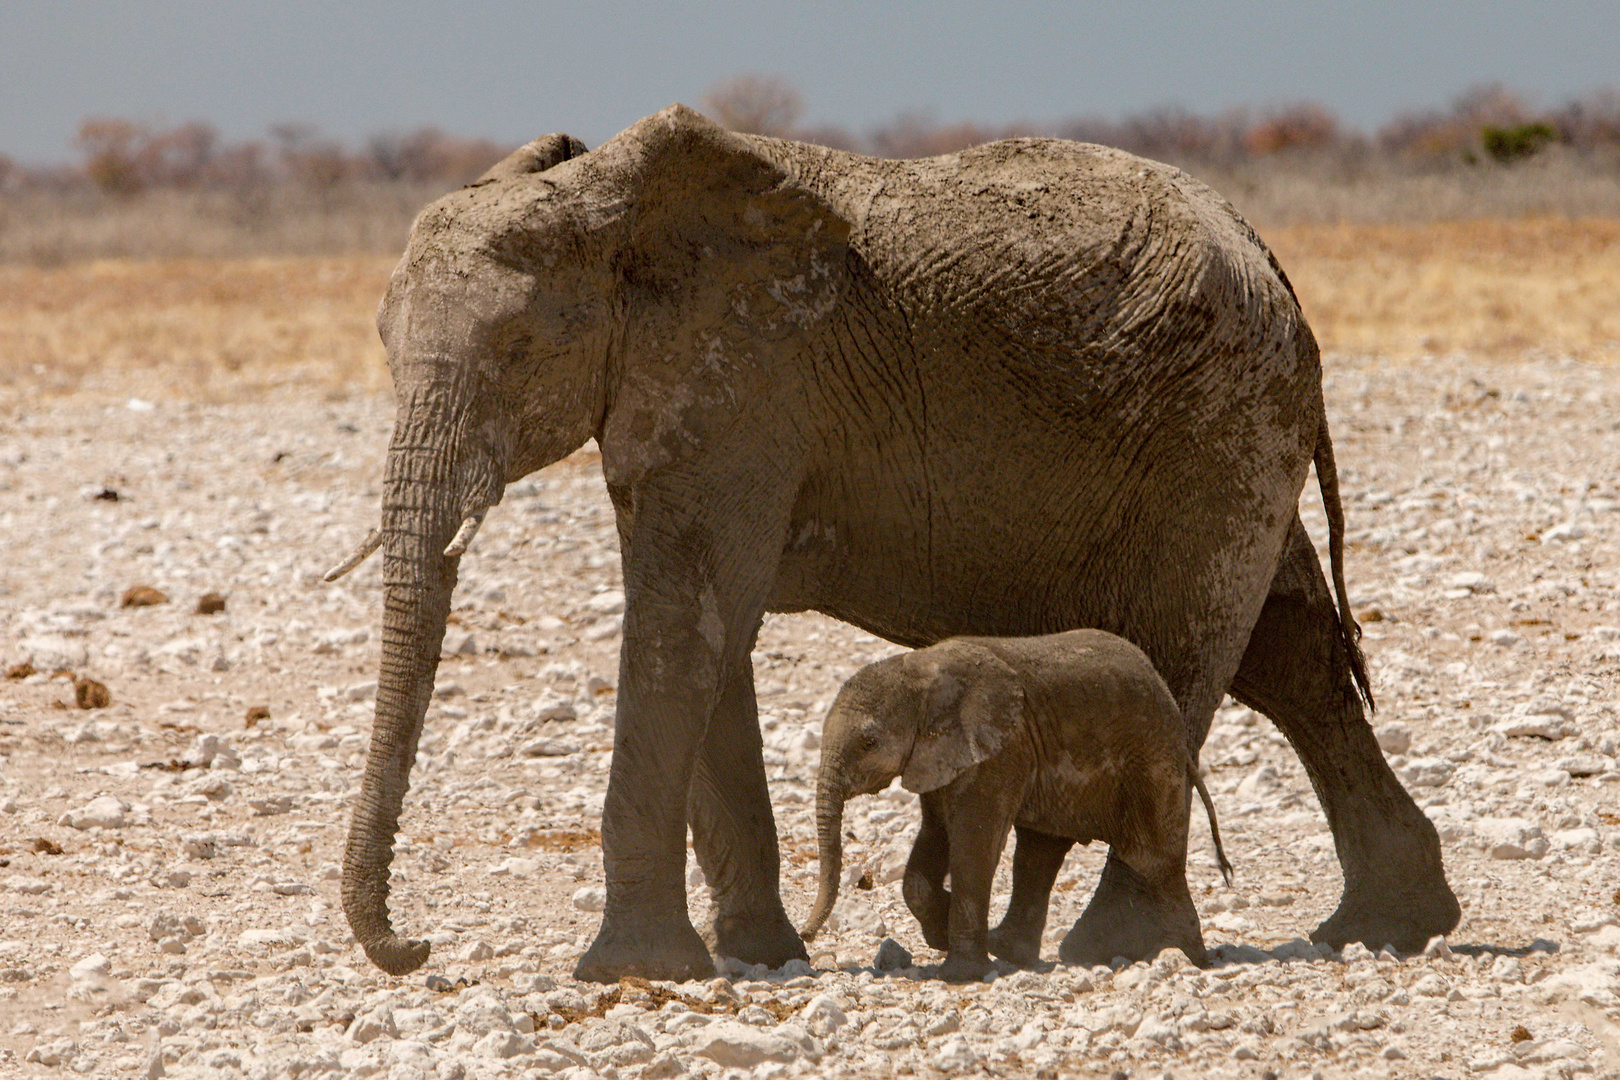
{"x": 1327, "y": 478}
{"x": 1214, "y": 829}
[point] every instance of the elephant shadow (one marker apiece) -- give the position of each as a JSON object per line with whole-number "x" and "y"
{"x": 1298, "y": 950}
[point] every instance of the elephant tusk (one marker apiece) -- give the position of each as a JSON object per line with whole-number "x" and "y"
{"x": 464, "y": 535}
{"x": 371, "y": 543}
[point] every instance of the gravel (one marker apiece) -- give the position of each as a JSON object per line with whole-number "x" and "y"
{"x": 169, "y": 895}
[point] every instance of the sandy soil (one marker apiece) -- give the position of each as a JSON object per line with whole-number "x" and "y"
{"x": 168, "y": 863}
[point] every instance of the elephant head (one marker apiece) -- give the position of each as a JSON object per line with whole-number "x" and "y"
{"x": 926, "y": 717}
{"x": 553, "y": 300}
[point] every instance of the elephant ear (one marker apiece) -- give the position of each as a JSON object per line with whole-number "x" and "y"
{"x": 533, "y": 157}
{"x": 973, "y": 702}
{"x": 718, "y": 220}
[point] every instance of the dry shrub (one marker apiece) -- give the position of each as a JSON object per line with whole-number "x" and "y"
{"x": 52, "y": 227}
{"x": 756, "y": 104}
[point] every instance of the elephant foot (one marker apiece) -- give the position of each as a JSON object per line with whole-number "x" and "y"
{"x": 669, "y": 950}
{"x": 767, "y": 938}
{"x": 1395, "y": 890}
{"x": 1016, "y": 946}
{"x": 1406, "y": 918}
{"x": 959, "y": 968}
{"x": 1127, "y": 917}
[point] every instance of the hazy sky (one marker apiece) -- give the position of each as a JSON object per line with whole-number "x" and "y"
{"x": 511, "y": 71}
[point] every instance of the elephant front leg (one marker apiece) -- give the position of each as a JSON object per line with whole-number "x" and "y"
{"x": 979, "y": 821}
{"x": 1137, "y": 912}
{"x": 734, "y": 832}
{"x": 1037, "y": 858}
{"x": 694, "y": 591}
{"x": 924, "y": 884}
{"x": 645, "y": 930}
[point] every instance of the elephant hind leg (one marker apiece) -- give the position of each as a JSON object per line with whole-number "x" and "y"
{"x": 1141, "y": 907}
{"x": 924, "y": 884}
{"x": 1297, "y": 671}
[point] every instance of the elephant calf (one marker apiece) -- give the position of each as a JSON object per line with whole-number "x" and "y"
{"x": 1071, "y": 737}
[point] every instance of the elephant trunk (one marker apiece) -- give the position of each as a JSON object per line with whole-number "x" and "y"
{"x": 830, "y": 795}
{"x": 432, "y": 484}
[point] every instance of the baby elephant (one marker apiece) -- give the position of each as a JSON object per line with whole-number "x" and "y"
{"x": 1071, "y": 737}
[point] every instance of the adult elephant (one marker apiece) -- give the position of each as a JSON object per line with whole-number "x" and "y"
{"x": 1031, "y": 386}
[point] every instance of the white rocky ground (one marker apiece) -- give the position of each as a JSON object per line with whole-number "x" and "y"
{"x": 189, "y": 924}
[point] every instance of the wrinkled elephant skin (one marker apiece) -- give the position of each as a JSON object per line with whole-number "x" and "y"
{"x": 1032, "y": 386}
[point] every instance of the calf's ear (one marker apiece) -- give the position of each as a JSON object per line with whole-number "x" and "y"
{"x": 973, "y": 702}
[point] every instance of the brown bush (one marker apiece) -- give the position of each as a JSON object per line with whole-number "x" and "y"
{"x": 1300, "y": 127}
{"x": 756, "y": 104}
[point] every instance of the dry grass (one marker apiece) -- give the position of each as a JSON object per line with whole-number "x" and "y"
{"x": 214, "y": 329}
{"x": 192, "y": 329}
{"x": 1493, "y": 288}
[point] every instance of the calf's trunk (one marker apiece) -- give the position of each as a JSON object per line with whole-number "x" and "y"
{"x": 829, "y": 839}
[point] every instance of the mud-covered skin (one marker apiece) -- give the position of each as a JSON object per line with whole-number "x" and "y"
{"x": 1070, "y": 737}
{"x": 1031, "y": 386}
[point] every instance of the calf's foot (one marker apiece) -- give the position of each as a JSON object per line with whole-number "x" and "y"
{"x": 1016, "y": 945}
{"x": 962, "y": 967}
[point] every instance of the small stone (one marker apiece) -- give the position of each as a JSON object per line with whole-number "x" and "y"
{"x": 55, "y": 1052}
{"x": 1438, "y": 949}
{"x": 90, "y": 967}
{"x": 1426, "y": 772}
{"x": 1606, "y": 938}
{"x": 102, "y": 812}
{"x": 210, "y": 603}
{"x": 1431, "y": 985}
{"x": 517, "y": 867}
{"x": 861, "y": 917}
{"x": 1550, "y": 726}
{"x": 1394, "y": 739}
{"x": 142, "y": 596}
{"x": 891, "y": 956}
{"x": 1511, "y": 838}
{"x": 460, "y": 643}
{"x": 379, "y": 1021}
{"x": 89, "y": 694}
{"x": 603, "y": 629}
{"x": 590, "y": 898}
{"x": 1258, "y": 784}
{"x": 553, "y": 706}
{"x": 824, "y": 1015}
{"x": 734, "y": 1045}
{"x": 255, "y": 714}
{"x": 166, "y": 926}
{"x": 502, "y": 1044}
{"x": 606, "y": 603}
{"x": 955, "y": 1055}
{"x": 540, "y": 748}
